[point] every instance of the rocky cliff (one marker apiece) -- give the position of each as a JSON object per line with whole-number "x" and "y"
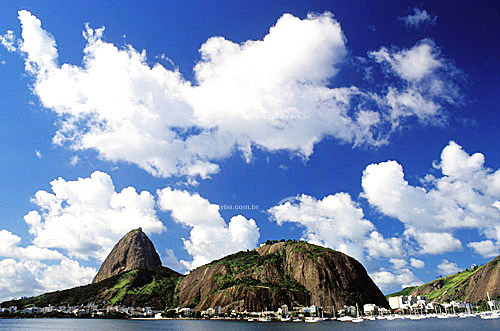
{"x": 133, "y": 251}
{"x": 469, "y": 285}
{"x": 292, "y": 273}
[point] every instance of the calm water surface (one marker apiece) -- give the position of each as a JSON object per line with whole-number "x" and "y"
{"x": 194, "y": 325}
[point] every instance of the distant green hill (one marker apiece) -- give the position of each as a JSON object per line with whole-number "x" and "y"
{"x": 146, "y": 287}
{"x": 470, "y": 285}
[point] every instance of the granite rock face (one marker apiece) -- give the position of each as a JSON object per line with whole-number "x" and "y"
{"x": 292, "y": 273}
{"x": 133, "y": 251}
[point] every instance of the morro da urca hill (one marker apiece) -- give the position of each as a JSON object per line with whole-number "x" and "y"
{"x": 133, "y": 251}
{"x": 470, "y": 285}
{"x": 292, "y": 273}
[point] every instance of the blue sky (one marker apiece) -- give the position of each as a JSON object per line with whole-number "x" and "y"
{"x": 368, "y": 127}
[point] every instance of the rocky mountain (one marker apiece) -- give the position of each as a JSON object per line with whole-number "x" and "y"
{"x": 469, "y": 285}
{"x": 135, "y": 250}
{"x": 276, "y": 273}
{"x": 144, "y": 287}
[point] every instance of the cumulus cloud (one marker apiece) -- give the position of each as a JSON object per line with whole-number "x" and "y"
{"x": 428, "y": 82}
{"x": 391, "y": 282}
{"x": 485, "y": 248}
{"x": 38, "y": 45}
{"x": 398, "y": 263}
{"x": 9, "y": 247}
{"x": 210, "y": 237}
{"x": 171, "y": 261}
{"x": 26, "y": 278}
{"x": 434, "y": 242}
{"x": 378, "y": 246}
{"x": 86, "y": 217}
{"x": 418, "y": 18}
{"x": 67, "y": 274}
{"x": 415, "y": 263}
{"x": 462, "y": 198}
{"x": 8, "y": 40}
{"x": 273, "y": 94}
{"x": 16, "y": 279}
{"x": 447, "y": 268}
{"x": 337, "y": 222}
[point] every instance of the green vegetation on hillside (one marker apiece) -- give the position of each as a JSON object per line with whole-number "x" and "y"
{"x": 450, "y": 287}
{"x": 248, "y": 263}
{"x": 404, "y": 292}
{"x": 152, "y": 286}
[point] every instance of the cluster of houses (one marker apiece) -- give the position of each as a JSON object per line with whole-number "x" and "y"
{"x": 90, "y": 310}
{"x": 419, "y": 303}
{"x": 404, "y": 304}
{"x": 94, "y": 310}
{"x": 284, "y": 310}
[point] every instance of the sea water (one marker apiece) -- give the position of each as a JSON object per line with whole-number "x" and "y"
{"x": 68, "y": 324}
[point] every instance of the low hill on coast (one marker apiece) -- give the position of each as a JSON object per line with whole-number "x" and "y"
{"x": 470, "y": 285}
{"x": 145, "y": 287}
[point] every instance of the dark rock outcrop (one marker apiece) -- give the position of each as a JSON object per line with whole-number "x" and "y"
{"x": 292, "y": 273}
{"x": 133, "y": 251}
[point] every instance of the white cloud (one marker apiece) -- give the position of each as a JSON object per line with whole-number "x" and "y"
{"x": 418, "y": 18}
{"x": 272, "y": 94}
{"x": 378, "y": 246}
{"x": 415, "y": 263}
{"x": 38, "y": 154}
{"x": 210, "y": 237}
{"x": 86, "y": 217}
{"x": 398, "y": 263}
{"x": 67, "y": 274}
{"x": 27, "y": 278}
{"x": 9, "y": 248}
{"x": 8, "y": 41}
{"x": 413, "y": 64}
{"x": 485, "y": 248}
{"x": 336, "y": 222}
{"x": 429, "y": 82}
{"x": 447, "y": 268}
{"x": 16, "y": 279}
{"x": 392, "y": 282}
{"x": 38, "y": 45}
{"x": 434, "y": 242}
{"x": 461, "y": 198}
{"x": 74, "y": 160}
{"x": 171, "y": 261}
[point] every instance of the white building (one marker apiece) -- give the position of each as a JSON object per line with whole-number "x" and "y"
{"x": 370, "y": 309}
{"x": 406, "y": 302}
{"x": 48, "y": 309}
{"x": 396, "y": 302}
